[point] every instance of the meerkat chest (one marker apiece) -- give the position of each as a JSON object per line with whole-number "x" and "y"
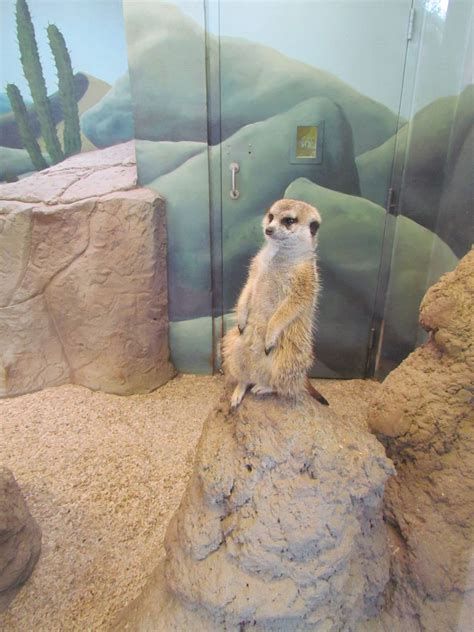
{"x": 273, "y": 284}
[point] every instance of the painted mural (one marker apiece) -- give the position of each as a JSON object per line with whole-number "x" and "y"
{"x": 57, "y": 66}
{"x": 215, "y": 97}
{"x": 210, "y": 83}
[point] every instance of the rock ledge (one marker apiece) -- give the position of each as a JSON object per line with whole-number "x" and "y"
{"x": 83, "y": 281}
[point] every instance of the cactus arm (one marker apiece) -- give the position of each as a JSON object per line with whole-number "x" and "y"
{"x": 26, "y": 134}
{"x": 34, "y": 75}
{"x": 67, "y": 93}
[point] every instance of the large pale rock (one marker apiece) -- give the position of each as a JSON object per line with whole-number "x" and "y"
{"x": 20, "y": 539}
{"x": 83, "y": 285}
{"x": 280, "y": 527}
{"x": 424, "y": 415}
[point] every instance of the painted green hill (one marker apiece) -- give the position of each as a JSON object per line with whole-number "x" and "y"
{"x": 14, "y": 162}
{"x": 110, "y": 120}
{"x": 349, "y": 252}
{"x": 186, "y": 192}
{"x": 434, "y": 156}
{"x": 170, "y": 97}
{"x": 154, "y": 159}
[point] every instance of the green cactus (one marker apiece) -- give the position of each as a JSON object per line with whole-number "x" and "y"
{"x": 34, "y": 75}
{"x": 27, "y": 137}
{"x": 67, "y": 93}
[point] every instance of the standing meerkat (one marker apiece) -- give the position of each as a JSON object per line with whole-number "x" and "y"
{"x": 271, "y": 348}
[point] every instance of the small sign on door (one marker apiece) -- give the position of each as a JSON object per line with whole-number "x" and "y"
{"x": 306, "y": 143}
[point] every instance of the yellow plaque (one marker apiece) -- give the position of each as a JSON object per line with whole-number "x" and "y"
{"x": 306, "y": 141}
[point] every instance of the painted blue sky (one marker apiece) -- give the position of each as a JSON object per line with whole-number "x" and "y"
{"x": 94, "y": 34}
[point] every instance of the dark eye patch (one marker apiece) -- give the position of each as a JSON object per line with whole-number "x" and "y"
{"x": 288, "y": 221}
{"x": 270, "y": 217}
{"x": 313, "y": 227}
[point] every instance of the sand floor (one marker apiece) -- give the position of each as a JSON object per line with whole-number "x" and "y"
{"x": 102, "y": 475}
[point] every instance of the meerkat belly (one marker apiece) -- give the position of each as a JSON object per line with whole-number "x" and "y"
{"x": 270, "y": 291}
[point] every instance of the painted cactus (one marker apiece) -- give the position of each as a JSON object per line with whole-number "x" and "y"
{"x": 67, "y": 94}
{"x": 34, "y": 75}
{"x": 26, "y": 134}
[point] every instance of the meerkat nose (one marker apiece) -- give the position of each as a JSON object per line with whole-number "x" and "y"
{"x": 269, "y": 231}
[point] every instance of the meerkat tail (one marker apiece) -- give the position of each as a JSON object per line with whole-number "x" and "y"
{"x": 315, "y": 393}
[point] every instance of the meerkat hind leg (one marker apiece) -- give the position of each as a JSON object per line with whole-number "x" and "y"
{"x": 259, "y": 389}
{"x": 238, "y": 394}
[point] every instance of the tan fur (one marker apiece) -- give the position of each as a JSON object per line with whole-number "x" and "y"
{"x": 271, "y": 346}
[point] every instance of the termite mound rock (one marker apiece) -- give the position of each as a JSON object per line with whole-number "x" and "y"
{"x": 423, "y": 413}
{"x": 280, "y": 527}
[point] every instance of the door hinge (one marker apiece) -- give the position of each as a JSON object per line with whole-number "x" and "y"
{"x": 370, "y": 352}
{"x": 411, "y": 24}
{"x": 391, "y": 202}
{"x": 372, "y": 339}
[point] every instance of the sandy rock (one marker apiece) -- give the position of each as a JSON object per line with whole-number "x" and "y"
{"x": 423, "y": 413}
{"x": 20, "y": 539}
{"x": 83, "y": 280}
{"x": 280, "y": 527}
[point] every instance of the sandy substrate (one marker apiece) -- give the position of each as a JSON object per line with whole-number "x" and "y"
{"x": 102, "y": 475}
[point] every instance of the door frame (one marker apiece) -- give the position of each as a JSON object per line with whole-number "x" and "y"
{"x": 216, "y": 191}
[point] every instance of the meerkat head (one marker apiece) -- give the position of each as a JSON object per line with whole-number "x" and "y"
{"x": 292, "y": 222}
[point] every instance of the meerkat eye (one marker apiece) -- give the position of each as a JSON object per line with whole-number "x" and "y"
{"x": 270, "y": 217}
{"x": 288, "y": 221}
{"x": 313, "y": 227}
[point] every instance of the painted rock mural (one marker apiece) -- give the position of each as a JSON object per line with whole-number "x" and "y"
{"x": 197, "y": 97}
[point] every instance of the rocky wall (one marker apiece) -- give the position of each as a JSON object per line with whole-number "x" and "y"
{"x": 83, "y": 281}
{"x": 424, "y": 415}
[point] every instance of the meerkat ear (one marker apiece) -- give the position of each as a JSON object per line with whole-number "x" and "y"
{"x": 313, "y": 227}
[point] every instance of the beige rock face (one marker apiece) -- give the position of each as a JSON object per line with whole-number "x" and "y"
{"x": 20, "y": 539}
{"x": 424, "y": 415}
{"x": 280, "y": 527}
{"x": 83, "y": 286}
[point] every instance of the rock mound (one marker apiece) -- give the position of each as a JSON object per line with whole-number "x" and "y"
{"x": 83, "y": 284}
{"x": 20, "y": 539}
{"x": 424, "y": 414}
{"x": 280, "y": 527}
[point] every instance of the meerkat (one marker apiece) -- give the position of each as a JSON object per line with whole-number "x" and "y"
{"x": 271, "y": 347}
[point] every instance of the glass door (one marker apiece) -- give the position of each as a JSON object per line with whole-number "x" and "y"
{"x": 304, "y": 94}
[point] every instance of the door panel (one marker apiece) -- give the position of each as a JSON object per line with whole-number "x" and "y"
{"x": 297, "y": 130}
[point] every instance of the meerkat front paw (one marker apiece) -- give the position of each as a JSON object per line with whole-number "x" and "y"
{"x": 270, "y": 343}
{"x": 241, "y": 322}
{"x": 238, "y": 394}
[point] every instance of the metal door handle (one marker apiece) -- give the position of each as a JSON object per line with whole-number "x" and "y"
{"x": 234, "y": 169}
